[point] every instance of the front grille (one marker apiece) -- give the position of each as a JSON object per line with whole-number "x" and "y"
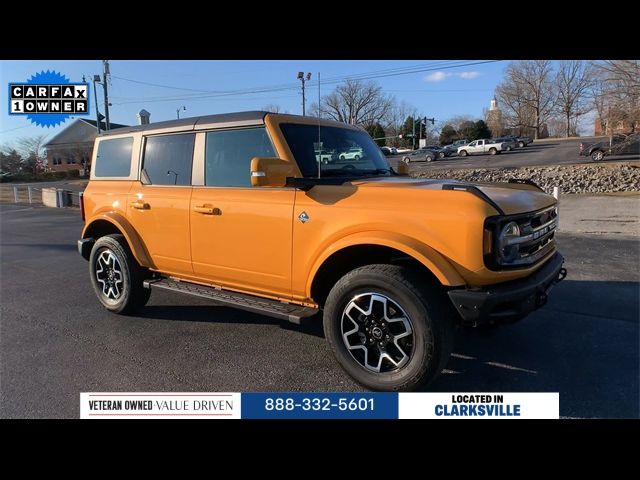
{"x": 536, "y": 240}
{"x": 537, "y": 234}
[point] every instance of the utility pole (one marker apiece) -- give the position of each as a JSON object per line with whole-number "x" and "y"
{"x": 303, "y": 79}
{"x": 96, "y": 80}
{"x": 105, "y": 82}
{"x": 413, "y": 140}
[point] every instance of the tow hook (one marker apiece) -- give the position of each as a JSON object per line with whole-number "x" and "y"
{"x": 562, "y": 274}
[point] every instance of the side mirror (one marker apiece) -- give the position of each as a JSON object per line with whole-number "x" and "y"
{"x": 270, "y": 172}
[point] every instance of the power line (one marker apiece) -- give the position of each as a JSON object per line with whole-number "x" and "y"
{"x": 164, "y": 86}
{"x": 289, "y": 86}
{"x": 16, "y": 128}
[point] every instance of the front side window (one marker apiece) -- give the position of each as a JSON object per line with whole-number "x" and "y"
{"x": 228, "y": 155}
{"x": 334, "y": 151}
{"x": 114, "y": 157}
{"x": 168, "y": 159}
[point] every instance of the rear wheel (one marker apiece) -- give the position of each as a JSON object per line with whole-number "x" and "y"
{"x": 356, "y": 157}
{"x": 116, "y": 276}
{"x": 387, "y": 329}
{"x": 463, "y": 153}
{"x": 521, "y": 144}
{"x": 428, "y": 158}
{"x": 597, "y": 155}
{"x": 493, "y": 151}
{"x": 406, "y": 160}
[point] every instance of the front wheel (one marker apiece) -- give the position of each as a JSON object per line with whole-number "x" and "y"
{"x": 116, "y": 276}
{"x": 387, "y": 329}
{"x": 597, "y": 155}
{"x": 463, "y": 153}
{"x": 429, "y": 158}
{"x": 406, "y": 160}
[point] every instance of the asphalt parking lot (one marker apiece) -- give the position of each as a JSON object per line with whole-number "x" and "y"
{"x": 540, "y": 152}
{"x": 56, "y": 341}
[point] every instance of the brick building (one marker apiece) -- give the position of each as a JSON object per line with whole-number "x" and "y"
{"x": 620, "y": 126}
{"x": 71, "y": 148}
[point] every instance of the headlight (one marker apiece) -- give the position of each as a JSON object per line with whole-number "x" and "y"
{"x": 508, "y": 252}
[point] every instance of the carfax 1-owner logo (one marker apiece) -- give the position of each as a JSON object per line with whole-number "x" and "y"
{"x": 48, "y": 98}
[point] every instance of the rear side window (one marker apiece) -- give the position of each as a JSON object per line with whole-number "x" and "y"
{"x": 114, "y": 157}
{"x": 168, "y": 158}
{"x": 228, "y": 155}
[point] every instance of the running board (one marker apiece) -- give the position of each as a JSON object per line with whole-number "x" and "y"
{"x": 264, "y": 306}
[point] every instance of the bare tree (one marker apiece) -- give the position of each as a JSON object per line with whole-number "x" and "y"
{"x": 32, "y": 146}
{"x": 395, "y": 120}
{"x": 573, "y": 83}
{"x": 356, "y": 102}
{"x": 273, "y": 108}
{"x": 527, "y": 94}
{"x": 619, "y": 91}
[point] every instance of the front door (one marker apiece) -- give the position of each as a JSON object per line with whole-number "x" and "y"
{"x": 241, "y": 235}
{"x": 159, "y": 204}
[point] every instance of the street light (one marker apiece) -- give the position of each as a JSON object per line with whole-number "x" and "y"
{"x": 183, "y": 108}
{"x": 303, "y": 79}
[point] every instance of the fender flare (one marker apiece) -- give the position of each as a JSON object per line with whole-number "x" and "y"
{"x": 427, "y": 256}
{"x": 133, "y": 239}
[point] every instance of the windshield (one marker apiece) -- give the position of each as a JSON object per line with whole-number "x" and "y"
{"x": 341, "y": 151}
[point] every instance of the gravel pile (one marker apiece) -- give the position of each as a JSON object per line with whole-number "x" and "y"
{"x": 598, "y": 178}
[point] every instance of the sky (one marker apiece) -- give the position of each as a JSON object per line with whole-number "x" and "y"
{"x": 438, "y": 88}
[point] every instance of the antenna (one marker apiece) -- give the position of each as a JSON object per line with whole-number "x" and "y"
{"x": 319, "y": 142}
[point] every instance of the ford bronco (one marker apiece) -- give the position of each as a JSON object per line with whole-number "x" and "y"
{"x": 238, "y": 209}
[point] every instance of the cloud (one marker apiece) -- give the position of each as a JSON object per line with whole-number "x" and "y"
{"x": 436, "y": 76}
{"x": 440, "y": 76}
{"x": 469, "y": 75}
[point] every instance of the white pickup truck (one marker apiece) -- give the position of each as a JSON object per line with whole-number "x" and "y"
{"x": 481, "y": 146}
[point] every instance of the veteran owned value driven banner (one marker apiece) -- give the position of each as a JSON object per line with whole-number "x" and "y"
{"x": 344, "y": 405}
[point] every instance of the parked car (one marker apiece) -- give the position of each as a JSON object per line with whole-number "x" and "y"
{"x": 510, "y": 143}
{"x": 615, "y": 145}
{"x": 387, "y": 151}
{"x": 392, "y": 264}
{"x": 354, "y": 153}
{"x": 452, "y": 149}
{"x": 326, "y": 156}
{"x": 481, "y": 146}
{"x": 522, "y": 140}
{"x": 438, "y": 149}
{"x": 421, "y": 155}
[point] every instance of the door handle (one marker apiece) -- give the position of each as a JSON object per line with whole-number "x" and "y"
{"x": 141, "y": 205}
{"x": 207, "y": 210}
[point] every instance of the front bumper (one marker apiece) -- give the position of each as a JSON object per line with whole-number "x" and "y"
{"x": 510, "y": 301}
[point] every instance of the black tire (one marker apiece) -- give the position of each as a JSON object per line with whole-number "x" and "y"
{"x": 441, "y": 155}
{"x": 341, "y": 157}
{"x": 423, "y": 303}
{"x": 521, "y": 144}
{"x": 356, "y": 157}
{"x": 428, "y": 158}
{"x": 406, "y": 160}
{"x": 597, "y": 155}
{"x": 126, "y": 295}
{"x": 463, "y": 153}
{"x": 492, "y": 151}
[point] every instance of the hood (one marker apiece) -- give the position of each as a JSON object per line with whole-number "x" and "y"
{"x": 511, "y": 198}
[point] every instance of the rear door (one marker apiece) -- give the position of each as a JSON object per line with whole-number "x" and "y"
{"x": 159, "y": 203}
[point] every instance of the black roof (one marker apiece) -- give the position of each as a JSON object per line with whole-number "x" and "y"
{"x": 193, "y": 121}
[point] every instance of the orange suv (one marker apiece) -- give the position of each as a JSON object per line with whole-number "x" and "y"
{"x": 241, "y": 209}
